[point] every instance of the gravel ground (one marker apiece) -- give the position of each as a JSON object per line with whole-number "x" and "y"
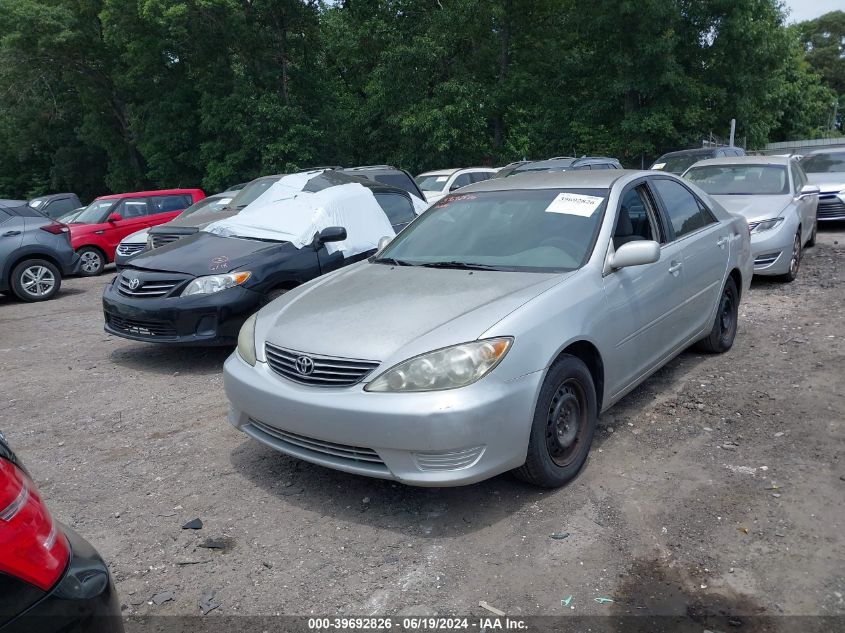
{"x": 716, "y": 486}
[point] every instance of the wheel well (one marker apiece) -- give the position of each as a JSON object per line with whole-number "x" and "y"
{"x": 737, "y": 277}
{"x": 591, "y": 357}
{"x": 23, "y": 258}
{"x": 96, "y": 248}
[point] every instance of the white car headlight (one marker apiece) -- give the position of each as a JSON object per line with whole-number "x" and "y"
{"x": 764, "y": 225}
{"x": 246, "y": 341}
{"x": 446, "y": 368}
{"x": 215, "y": 283}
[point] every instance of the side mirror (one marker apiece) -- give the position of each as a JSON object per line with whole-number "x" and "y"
{"x": 114, "y": 217}
{"x": 332, "y": 234}
{"x": 384, "y": 241}
{"x": 810, "y": 190}
{"x": 636, "y": 254}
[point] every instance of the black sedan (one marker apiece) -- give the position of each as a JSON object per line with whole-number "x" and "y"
{"x": 51, "y": 579}
{"x": 199, "y": 290}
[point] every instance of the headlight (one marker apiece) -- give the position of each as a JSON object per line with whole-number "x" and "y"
{"x": 765, "y": 225}
{"x": 446, "y": 368}
{"x": 215, "y": 283}
{"x": 150, "y": 242}
{"x": 246, "y": 341}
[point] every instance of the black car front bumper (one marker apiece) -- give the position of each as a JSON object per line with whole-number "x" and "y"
{"x": 212, "y": 319}
{"x": 84, "y": 600}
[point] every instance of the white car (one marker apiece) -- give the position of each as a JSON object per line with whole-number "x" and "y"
{"x": 129, "y": 246}
{"x": 436, "y": 184}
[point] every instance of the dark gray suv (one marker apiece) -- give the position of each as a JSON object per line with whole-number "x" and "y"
{"x": 35, "y": 252}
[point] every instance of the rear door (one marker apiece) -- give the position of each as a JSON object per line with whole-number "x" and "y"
{"x": 645, "y": 303}
{"x": 11, "y": 238}
{"x": 706, "y": 249}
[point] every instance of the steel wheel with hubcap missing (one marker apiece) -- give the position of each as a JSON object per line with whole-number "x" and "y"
{"x": 91, "y": 261}
{"x": 563, "y": 426}
{"x": 723, "y": 332}
{"x": 35, "y": 280}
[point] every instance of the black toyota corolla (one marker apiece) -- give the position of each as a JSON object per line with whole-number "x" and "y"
{"x": 199, "y": 290}
{"x": 51, "y": 579}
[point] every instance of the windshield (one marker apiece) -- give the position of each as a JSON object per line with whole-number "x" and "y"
{"x": 95, "y": 212}
{"x": 678, "y": 164}
{"x": 535, "y": 230}
{"x": 824, "y": 163}
{"x": 740, "y": 180}
{"x": 558, "y": 165}
{"x": 251, "y": 192}
{"x": 433, "y": 182}
{"x": 211, "y": 204}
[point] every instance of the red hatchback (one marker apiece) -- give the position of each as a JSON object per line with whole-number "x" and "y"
{"x": 96, "y": 232}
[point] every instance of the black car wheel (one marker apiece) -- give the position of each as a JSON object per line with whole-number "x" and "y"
{"x": 92, "y": 261}
{"x": 563, "y": 427}
{"x": 723, "y": 333}
{"x": 36, "y": 280}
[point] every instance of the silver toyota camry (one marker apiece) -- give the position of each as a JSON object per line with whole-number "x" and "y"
{"x": 773, "y": 195}
{"x": 490, "y": 334}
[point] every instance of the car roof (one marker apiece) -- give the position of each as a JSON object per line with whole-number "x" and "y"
{"x": 138, "y": 194}
{"x": 577, "y": 179}
{"x": 745, "y": 160}
{"x": 53, "y": 196}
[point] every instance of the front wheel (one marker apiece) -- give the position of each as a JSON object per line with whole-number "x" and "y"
{"x": 812, "y": 241}
{"x": 721, "y": 337}
{"x": 794, "y": 259}
{"x": 36, "y": 280}
{"x": 563, "y": 426}
{"x": 92, "y": 261}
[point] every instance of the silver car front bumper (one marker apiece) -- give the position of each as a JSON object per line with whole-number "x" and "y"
{"x": 772, "y": 250}
{"x": 442, "y": 438}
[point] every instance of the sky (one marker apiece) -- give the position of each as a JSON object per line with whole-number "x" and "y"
{"x": 800, "y": 10}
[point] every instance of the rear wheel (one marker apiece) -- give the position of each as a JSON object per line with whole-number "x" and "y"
{"x": 36, "y": 280}
{"x": 563, "y": 427}
{"x": 92, "y": 261}
{"x": 721, "y": 337}
{"x": 794, "y": 259}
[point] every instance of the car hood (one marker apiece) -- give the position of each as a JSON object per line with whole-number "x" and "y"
{"x": 198, "y": 220}
{"x": 833, "y": 182}
{"x": 373, "y": 311}
{"x": 205, "y": 254}
{"x": 754, "y": 208}
{"x": 138, "y": 237}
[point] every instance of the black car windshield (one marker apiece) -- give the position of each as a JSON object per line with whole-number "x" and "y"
{"x": 95, "y": 212}
{"x": 251, "y": 192}
{"x": 679, "y": 163}
{"x": 739, "y": 180}
{"x": 211, "y": 204}
{"x": 824, "y": 163}
{"x": 535, "y": 230}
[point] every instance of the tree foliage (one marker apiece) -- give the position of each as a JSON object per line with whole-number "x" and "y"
{"x": 105, "y": 95}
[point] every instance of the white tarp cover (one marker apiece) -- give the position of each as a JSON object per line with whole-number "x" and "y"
{"x": 287, "y": 213}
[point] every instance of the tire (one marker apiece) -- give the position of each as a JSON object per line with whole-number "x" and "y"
{"x": 794, "y": 260}
{"x": 93, "y": 261}
{"x": 35, "y": 280}
{"x": 563, "y": 426}
{"x": 723, "y": 333}
{"x": 812, "y": 241}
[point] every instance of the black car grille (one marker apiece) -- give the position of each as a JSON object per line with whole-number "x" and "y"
{"x": 146, "y": 287}
{"x": 160, "y": 239}
{"x": 151, "y": 329}
{"x": 317, "y": 371}
{"x": 130, "y": 249}
{"x": 831, "y": 207}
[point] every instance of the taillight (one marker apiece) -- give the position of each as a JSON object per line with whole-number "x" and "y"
{"x": 56, "y": 228}
{"x": 31, "y": 546}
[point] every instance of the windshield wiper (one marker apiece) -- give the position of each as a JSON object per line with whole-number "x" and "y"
{"x": 392, "y": 261}
{"x": 459, "y": 266}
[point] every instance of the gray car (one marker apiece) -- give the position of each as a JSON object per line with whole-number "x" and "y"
{"x": 826, "y": 169}
{"x": 772, "y": 194}
{"x": 35, "y": 252}
{"x": 490, "y": 334}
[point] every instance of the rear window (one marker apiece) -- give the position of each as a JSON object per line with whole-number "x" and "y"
{"x": 397, "y": 207}
{"x": 824, "y": 163}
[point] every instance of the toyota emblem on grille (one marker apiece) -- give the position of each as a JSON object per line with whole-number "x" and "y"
{"x": 134, "y": 283}
{"x": 304, "y": 365}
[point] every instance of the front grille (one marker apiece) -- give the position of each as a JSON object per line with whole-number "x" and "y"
{"x": 325, "y": 371}
{"x": 146, "y": 288}
{"x": 766, "y": 260}
{"x": 356, "y": 454}
{"x": 152, "y": 329}
{"x": 160, "y": 239}
{"x": 130, "y": 249}
{"x": 831, "y": 207}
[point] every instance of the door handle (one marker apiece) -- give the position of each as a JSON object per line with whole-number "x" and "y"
{"x": 11, "y": 233}
{"x": 722, "y": 241}
{"x": 675, "y": 267}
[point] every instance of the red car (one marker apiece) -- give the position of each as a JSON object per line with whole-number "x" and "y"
{"x": 96, "y": 231}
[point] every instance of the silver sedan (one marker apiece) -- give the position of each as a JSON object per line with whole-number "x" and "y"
{"x": 490, "y": 334}
{"x": 773, "y": 195}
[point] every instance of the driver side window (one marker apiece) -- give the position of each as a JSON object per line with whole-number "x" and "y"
{"x": 636, "y": 219}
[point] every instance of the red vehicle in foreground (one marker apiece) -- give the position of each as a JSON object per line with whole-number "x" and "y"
{"x": 97, "y": 231}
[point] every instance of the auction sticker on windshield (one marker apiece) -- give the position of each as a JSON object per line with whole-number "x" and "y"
{"x": 574, "y": 204}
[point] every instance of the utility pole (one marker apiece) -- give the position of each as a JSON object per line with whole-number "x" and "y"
{"x": 733, "y": 131}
